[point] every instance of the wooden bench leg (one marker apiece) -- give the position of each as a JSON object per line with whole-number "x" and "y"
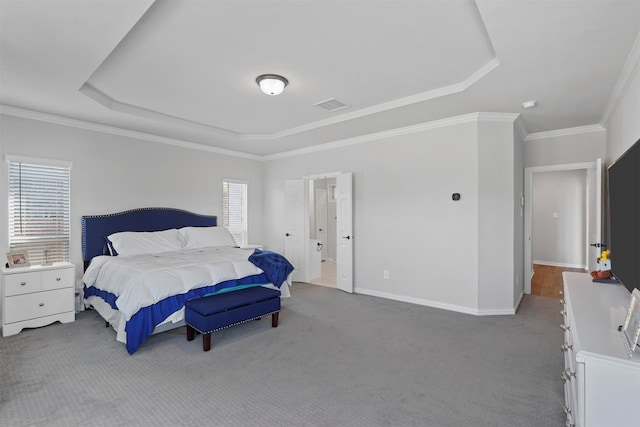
{"x": 191, "y": 333}
{"x": 274, "y": 320}
{"x": 206, "y": 341}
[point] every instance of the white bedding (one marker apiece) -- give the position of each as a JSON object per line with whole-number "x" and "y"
{"x": 142, "y": 280}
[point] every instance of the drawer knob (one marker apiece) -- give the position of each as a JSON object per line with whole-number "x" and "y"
{"x": 564, "y": 327}
{"x": 41, "y": 304}
{"x": 563, "y": 312}
{"x": 57, "y": 279}
{"x": 23, "y": 283}
{"x": 562, "y": 302}
{"x": 566, "y": 347}
{"x": 567, "y": 372}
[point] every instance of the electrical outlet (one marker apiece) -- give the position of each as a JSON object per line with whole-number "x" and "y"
{"x": 386, "y": 274}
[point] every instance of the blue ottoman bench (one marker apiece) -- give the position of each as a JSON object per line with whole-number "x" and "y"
{"x": 215, "y": 312}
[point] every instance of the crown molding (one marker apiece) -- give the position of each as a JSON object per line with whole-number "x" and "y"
{"x": 466, "y": 118}
{"x": 521, "y": 128}
{"x": 397, "y": 103}
{"x": 629, "y": 71}
{"x": 133, "y": 110}
{"x": 115, "y": 105}
{"x": 450, "y": 121}
{"x": 80, "y": 124}
{"x": 565, "y": 132}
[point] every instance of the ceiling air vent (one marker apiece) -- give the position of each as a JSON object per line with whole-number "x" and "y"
{"x": 331, "y": 105}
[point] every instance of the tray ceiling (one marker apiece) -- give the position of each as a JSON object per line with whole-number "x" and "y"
{"x": 186, "y": 69}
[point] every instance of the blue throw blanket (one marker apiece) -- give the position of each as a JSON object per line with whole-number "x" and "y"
{"x": 275, "y": 266}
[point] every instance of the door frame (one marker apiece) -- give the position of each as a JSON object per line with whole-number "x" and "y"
{"x": 306, "y": 209}
{"x": 528, "y": 188}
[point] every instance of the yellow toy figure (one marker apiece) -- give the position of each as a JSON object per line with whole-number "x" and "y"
{"x": 603, "y": 270}
{"x": 604, "y": 263}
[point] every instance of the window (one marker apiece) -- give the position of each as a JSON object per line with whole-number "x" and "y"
{"x": 39, "y": 208}
{"x": 234, "y": 209}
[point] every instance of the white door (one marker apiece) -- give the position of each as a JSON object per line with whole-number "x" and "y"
{"x": 294, "y": 241}
{"x": 321, "y": 220}
{"x": 594, "y": 224}
{"x": 344, "y": 207}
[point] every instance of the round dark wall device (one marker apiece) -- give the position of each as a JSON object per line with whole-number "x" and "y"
{"x": 455, "y": 196}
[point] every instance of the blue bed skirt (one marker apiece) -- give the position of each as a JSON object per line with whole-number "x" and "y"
{"x": 142, "y": 324}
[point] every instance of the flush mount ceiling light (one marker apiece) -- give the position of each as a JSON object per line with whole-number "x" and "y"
{"x": 272, "y": 84}
{"x": 529, "y": 104}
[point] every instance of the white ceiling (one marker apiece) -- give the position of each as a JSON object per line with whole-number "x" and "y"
{"x": 186, "y": 69}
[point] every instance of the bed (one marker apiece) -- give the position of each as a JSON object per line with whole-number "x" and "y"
{"x": 142, "y": 265}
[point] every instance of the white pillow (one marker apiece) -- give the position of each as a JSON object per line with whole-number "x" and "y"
{"x": 206, "y": 237}
{"x": 127, "y": 243}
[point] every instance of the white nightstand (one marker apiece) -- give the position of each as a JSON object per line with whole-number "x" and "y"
{"x": 36, "y": 296}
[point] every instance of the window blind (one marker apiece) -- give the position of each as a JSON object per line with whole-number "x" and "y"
{"x": 39, "y": 210}
{"x": 234, "y": 209}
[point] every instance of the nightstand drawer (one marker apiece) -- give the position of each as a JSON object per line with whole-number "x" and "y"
{"x": 36, "y": 281}
{"x": 41, "y": 304}
{"x": 58, "y": 279}
{"x": 22, "y": 283}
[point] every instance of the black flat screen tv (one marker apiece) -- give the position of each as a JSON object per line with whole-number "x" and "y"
{"x": 624, "y": 217}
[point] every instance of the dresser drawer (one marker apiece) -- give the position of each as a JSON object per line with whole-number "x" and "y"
{"x": 30, "y": 306}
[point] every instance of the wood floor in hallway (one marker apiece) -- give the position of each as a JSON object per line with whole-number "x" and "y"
{"x": 547, "y": 280}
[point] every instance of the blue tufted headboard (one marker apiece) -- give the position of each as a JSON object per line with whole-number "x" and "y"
{"x": 96, "y": 227}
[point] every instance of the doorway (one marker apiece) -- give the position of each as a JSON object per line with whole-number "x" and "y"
{"x": 302, "y": 228}
{"x": 322, "y": 232}
{"x": 562, "y": 223}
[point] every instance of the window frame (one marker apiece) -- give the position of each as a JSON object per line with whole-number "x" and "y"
{"x": 243, "y": 232}
{"x": 29, "y": 243}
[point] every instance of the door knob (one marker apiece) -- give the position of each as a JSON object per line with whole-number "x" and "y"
{"x": 287, "y": 234}
{"x": 347, "y": 237}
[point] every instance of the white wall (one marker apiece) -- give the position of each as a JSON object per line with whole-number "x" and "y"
{"x": 496, "y": 156}
{"x": 112, "y": 173}
{"x": 405, "y": 220}
{"x": 623, "y": 126}
{"x": 559, "y": 240}
{"x": 568, "y": 147}
{"x": 518, "y": 217}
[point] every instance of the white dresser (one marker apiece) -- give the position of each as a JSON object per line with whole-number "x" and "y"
{"x": 36, "y": 296}
{"x": 601, "y": 383}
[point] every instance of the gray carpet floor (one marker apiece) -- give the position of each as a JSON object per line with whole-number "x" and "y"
{"x": 335, "y": 360}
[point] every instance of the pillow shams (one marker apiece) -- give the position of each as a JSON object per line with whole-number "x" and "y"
{"x": 206, "y": 237}
{"x": 127, "y": 243}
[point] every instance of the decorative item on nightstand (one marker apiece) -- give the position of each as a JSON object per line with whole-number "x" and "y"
{"x": 36, "y": 296}
{"x": 18, "y": 259}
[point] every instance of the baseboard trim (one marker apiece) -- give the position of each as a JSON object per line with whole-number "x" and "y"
{"x": 559, "y": 264}
{"x": 437, "y": 304}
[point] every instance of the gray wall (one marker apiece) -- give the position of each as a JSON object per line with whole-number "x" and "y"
{"x": 578, "y": 147}
{"x": 112, "y": 173}
{"x": 518, "y": 217}
{"x": 405, "y": 220}
{"x": 624, "y": 123}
